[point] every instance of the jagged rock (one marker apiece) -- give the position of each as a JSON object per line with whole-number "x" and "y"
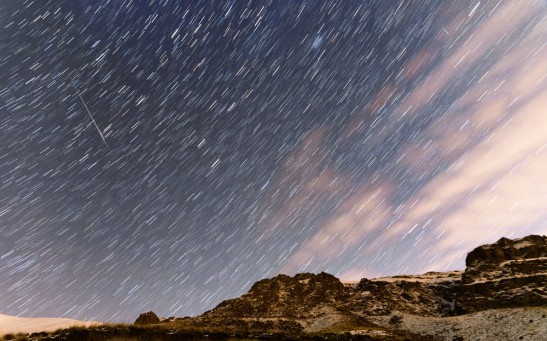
{"x": 506, "y": 258}
{"x": 148, "y": 318}
{"x": 508, "y": 273}
{"x": 285, "y": 296}
{"x": 410, "y": 294}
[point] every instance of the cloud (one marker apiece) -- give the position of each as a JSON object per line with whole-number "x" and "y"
{"x": 362, "y": 214}
{"x": 481, "y": 166}
{"x": 303, "y": 185}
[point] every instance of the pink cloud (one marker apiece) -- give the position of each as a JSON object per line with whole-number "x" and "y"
{"x": 491, "y": 145}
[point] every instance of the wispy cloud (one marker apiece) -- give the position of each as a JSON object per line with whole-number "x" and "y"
{"x": 481, "y": 166}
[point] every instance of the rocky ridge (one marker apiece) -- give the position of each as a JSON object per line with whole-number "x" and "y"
{"x": 506, "y": 274}
{"x": 285, "y": 296}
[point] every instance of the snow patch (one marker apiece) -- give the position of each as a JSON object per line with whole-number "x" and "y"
{"x": 12, "y": 324}
{"x": 522, "y": 244}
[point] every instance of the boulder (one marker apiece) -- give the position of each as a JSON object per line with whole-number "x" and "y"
{"x": 148, "y": 318}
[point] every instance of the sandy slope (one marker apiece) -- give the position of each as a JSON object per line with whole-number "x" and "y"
{"x": 11, "y": 324}
{"x": 529, "y": 323}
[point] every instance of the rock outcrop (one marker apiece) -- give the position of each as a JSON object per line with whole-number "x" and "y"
{"x": 508, "y": 273}
{"x": 431, "y": 294}
{"x": 148, "y": 318}
{"x": 285, "y": 296}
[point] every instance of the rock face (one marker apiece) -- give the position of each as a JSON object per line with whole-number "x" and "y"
{"x": 307, "y": 295}
{"x": 431, "y": 294}
{"x": 284, "y": 304}
{"x": 508, "y": 273}
{"x": 285, "y": 296}
{"x": 148, "y": 318}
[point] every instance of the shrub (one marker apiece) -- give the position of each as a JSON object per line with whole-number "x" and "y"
{"x": 395, "y": 320}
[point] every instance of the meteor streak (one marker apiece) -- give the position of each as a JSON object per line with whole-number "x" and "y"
{"x": 89, "y": 113}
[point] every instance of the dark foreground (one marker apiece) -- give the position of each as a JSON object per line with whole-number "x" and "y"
{"x": 155, "y": 333}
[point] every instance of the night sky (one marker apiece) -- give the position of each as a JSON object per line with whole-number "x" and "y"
{"x": 165, "y": 155}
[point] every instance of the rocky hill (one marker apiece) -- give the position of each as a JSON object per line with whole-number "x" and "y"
{"x": 506, "y": 274}
{"x": 285, "y": 296}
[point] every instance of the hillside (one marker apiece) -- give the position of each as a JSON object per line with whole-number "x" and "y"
{"x": 503, "y": 281}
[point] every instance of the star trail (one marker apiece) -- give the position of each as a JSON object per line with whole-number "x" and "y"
{"x": 165, "y": 155}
